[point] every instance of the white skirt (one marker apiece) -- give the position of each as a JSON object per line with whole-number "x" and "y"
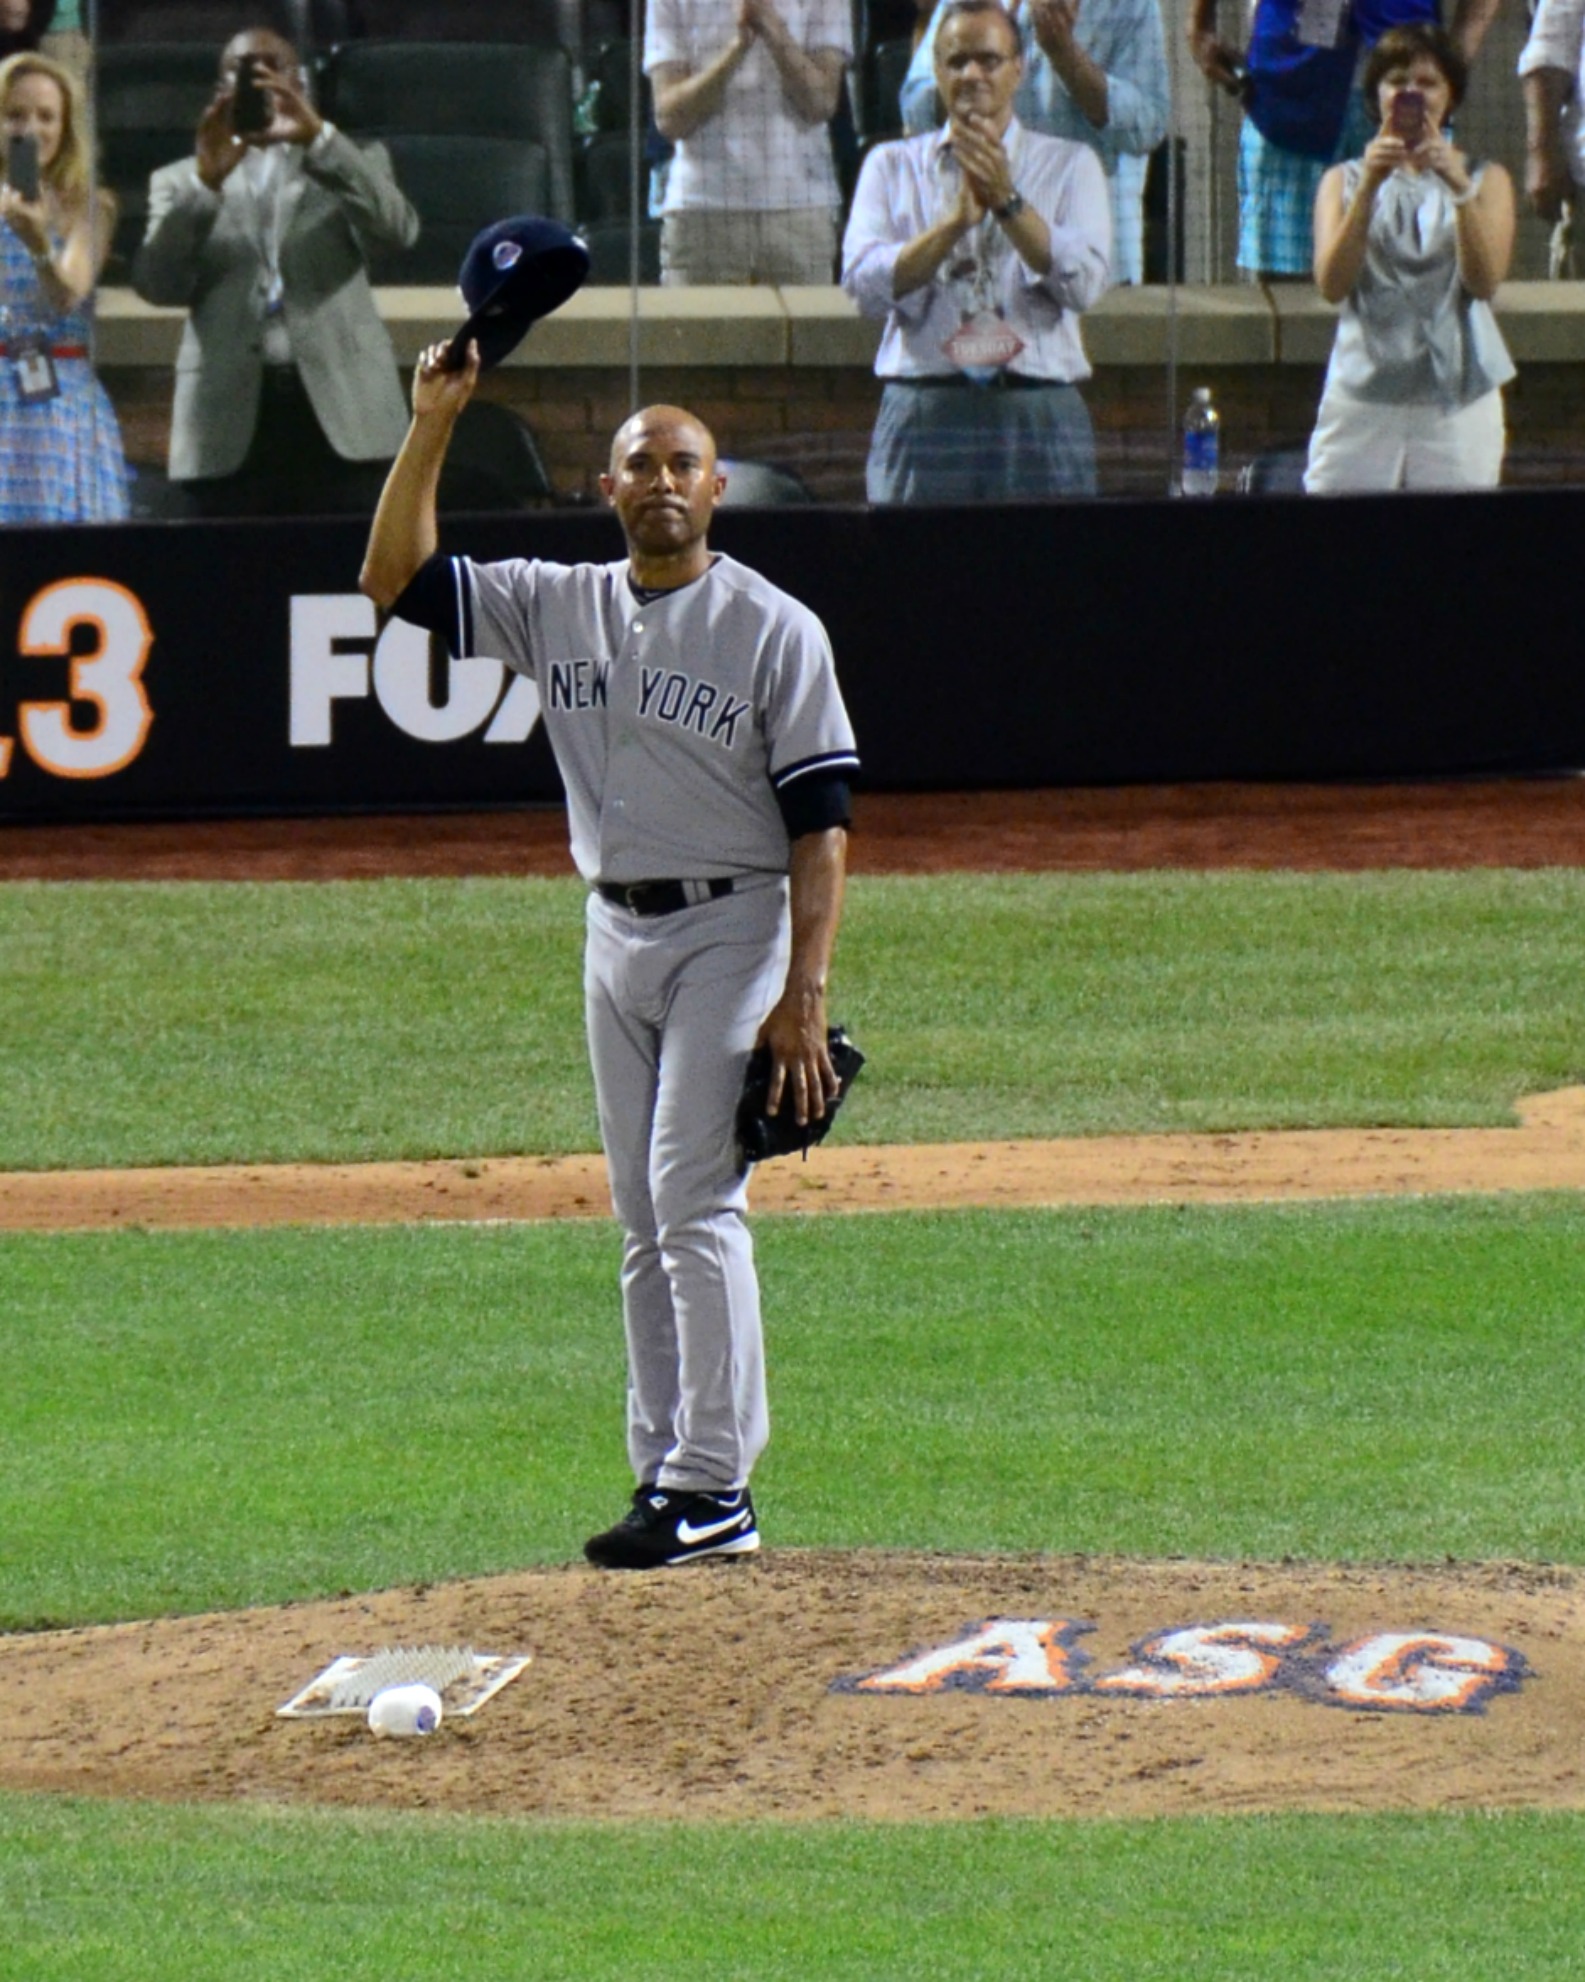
{"x": 1369, "y": 445}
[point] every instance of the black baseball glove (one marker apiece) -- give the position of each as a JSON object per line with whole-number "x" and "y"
{"x": 760, "y": 1134}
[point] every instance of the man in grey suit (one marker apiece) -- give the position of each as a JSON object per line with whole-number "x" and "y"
{"x": 287, "y": 393}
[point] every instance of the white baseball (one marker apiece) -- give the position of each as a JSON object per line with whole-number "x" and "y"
{"x": 403, "y": 1710}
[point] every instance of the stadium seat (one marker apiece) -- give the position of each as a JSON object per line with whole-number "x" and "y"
{"x": 605, "y": 186}
{"x": 493, "y": 462}
{"x": 164, "y": 87}
{"x": 147, "y": 101}
{"x": 888, "y": 20}
{"x": 610, "y": 253}
{"x": 753, "y": 483}
{"x": 458, "y": 186}
{"x": 212, "y": 22}
{"x": 878, "y": 110}
{"x": 610, "y": 86}
{"x": 548, "y": 23}
{"x": 461, "y": 89}
{"x": 1274, "y": 471}
{"x": 327, "y": 23}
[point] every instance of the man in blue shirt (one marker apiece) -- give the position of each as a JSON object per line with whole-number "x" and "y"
{"x": 1095, "y": 73}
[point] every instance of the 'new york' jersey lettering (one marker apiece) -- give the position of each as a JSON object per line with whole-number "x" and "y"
{"x": 578, "y": 684}
{"x": 666, "y": 696}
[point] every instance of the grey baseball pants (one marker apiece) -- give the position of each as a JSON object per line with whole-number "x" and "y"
{"x": 673, "y": 1003}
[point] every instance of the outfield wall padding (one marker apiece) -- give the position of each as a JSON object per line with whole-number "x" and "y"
{"x": 189, "y": 669}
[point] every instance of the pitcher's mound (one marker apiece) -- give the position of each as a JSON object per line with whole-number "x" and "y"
{"x": 715, "y": 1691}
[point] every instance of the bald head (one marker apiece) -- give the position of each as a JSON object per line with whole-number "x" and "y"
{"x": 663, "y": 426}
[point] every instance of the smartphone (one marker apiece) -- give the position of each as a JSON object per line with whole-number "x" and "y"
{"x": 1408, "y": 115}
{"x": 251, "y": 108}
{"x": 22, "y": 167}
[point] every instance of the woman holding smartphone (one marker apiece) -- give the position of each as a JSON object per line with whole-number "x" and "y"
{"x": 1412, "y": 240}
{"x": 61, "y": 459}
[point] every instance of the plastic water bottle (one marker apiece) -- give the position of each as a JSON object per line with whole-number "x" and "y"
{"x": 1202, "y": 444}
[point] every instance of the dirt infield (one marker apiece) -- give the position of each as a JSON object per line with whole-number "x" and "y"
{"x": 719, "y": 1692}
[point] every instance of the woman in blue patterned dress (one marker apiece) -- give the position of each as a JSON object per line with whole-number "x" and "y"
{"x": 60, "y": 447}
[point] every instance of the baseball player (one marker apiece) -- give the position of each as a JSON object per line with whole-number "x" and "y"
{"x": 695, "y": 716}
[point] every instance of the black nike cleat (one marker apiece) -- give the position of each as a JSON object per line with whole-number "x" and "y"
{"x": 664, "y": 1529}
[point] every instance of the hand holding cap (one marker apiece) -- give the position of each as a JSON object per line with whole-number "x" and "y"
{"x": 514, "y": 273}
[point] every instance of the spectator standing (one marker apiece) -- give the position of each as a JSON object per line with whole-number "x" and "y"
{"x": 1412, "y": 239}
{"x": 287, "y": 393}
{"x": 1552, "y": 68}
{"x": 745, "y": 90}
{"x": 980, "y": 244}
{"x": 1095, "y": 73}
{"x": 61, "y": 458}
{"x": 1302, "y": 109}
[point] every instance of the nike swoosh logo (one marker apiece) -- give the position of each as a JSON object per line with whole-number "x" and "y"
{"x": 688, "y": 1534}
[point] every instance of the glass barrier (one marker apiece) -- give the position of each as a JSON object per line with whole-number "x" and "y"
{"x": 866, "y": 302}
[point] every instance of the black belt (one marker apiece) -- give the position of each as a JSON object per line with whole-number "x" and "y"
{"x": 662, "y": 897}
{"x": 1003, "y": 381}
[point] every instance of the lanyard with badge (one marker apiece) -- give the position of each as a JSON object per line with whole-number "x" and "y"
{"x": 28, "y": 353}
{"x": 265, "y": 218}
{"x": 33, "y": 368}
{"x": 984, "y": 343}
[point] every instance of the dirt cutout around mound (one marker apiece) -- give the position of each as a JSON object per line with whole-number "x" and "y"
{"x": 710, "y": 1693}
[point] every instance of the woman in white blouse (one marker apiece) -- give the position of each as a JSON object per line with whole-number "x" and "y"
{"x": 1412, "y": 239}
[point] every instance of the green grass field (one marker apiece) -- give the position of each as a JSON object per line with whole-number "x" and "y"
{"x": 1371, "y": 1381}
{"x": 246, "y": 1417}
{"x": 95, "y": 1893}
{"x": 190, "y": 1023}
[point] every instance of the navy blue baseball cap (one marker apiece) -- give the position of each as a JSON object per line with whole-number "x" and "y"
{"x": 513, "y": 274}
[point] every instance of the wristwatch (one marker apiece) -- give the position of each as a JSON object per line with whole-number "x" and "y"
{"x": 1011, "y": 207}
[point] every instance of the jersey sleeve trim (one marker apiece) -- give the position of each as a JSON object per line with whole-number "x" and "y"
{"x": 814, "y": 804}
{"x": 844, "y": 763}
{"x": 440, "y": 597}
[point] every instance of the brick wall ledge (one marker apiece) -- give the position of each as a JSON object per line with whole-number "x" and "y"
{"x": 1243, "y": 324}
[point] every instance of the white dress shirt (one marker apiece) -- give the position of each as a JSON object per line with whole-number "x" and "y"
{"x": 909, "y": 185}
{"x": 1126, "y": 42}
{"x": 755, "y": 155}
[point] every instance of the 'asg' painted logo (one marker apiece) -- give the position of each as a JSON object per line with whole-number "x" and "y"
{"x": 1405, "y": 1672}
{"x": 103, "y": 721}
{"x": 396, "y": 669}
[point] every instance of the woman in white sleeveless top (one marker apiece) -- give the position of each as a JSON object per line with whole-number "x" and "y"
{"x": 1412, "y": 240}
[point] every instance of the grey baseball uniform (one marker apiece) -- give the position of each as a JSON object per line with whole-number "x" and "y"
{"x": 697, "y": 731}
